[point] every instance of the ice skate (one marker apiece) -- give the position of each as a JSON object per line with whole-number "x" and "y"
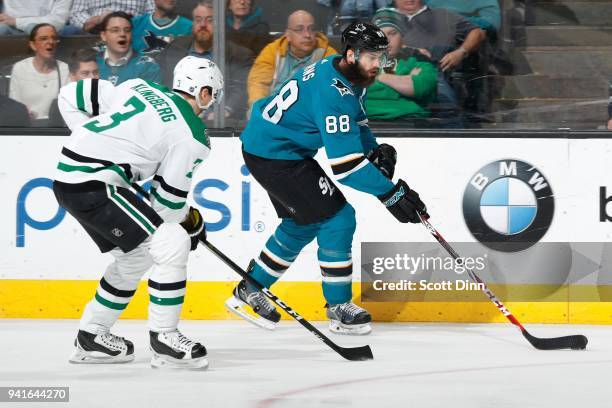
{"x": 348, "y": 318}
{"x": 103, "y": 348}
{"x": 253, "y": 306}
{"x": 174, "y": 350}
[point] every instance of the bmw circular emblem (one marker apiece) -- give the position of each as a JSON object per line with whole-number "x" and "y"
{"x": 508, "y": 205}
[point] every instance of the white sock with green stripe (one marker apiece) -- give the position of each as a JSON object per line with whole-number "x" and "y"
{"x": 165, "y": 304}
{"x": 169, "y": 248}
{"x": 116, "y": 289}
{"x": 103, "y": 310}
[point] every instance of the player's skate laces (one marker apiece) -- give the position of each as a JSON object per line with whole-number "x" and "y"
{"x": 104, "y": 348}
{"x": 175, "y": 350}
{"x": 348, "y": 318}
{"x": 252, "y": 305}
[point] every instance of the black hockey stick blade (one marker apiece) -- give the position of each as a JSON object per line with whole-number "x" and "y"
{"x": 575, "y": 342}
{"x": 361, "y": 353}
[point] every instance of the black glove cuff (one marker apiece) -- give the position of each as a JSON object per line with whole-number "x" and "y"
{"x": 398, "y": 190}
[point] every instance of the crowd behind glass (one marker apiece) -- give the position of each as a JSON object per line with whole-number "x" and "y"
{"x": 444, "y": 55}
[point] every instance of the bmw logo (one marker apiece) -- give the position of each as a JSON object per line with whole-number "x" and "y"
{"x": 508, "y": 205}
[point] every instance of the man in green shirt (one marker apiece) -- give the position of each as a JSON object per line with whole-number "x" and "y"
{"x": 408, "y": 83}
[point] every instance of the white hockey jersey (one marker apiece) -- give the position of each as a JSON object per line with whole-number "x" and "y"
{"x": 79, "y": 101}
{"x": 148, "y": 131}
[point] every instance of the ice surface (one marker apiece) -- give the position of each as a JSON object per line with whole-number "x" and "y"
{"x": 415, "y": 365}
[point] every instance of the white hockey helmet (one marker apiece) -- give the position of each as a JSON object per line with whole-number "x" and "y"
{"x": 191, "y": 74}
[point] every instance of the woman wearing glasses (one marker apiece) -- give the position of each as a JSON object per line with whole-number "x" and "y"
{"x": 35, "y": 81}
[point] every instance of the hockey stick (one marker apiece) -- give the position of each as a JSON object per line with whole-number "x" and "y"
{"x": 574, "y": 342}
{"x": 350, "y": 353}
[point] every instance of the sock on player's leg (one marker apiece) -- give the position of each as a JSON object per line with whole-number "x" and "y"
{"x": 281, "y": 249}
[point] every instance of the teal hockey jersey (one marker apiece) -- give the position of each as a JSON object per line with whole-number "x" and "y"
{"x": 318, "y": 107}
{"x": 150, "y": 37}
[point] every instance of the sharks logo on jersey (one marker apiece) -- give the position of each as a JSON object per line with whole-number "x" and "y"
{"x": 341, "y": 87}
{"x": 156, "y": 43}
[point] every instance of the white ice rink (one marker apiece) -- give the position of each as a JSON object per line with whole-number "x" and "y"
{"x": 415, "y": 365}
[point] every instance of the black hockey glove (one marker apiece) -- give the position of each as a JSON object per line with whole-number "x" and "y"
{"x": 195, "y": 227}
{"x": 404, "y": 203}
{"x": 384, "y": 158}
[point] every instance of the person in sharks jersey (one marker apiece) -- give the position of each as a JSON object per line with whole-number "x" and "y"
{"x": 321, "y": 106}
{"x": 119, "y": 62}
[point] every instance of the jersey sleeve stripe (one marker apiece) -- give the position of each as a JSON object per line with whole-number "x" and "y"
{"x": 80, "y": 98}
{"x": 123, "y": 169}
{"x": 346, "y": 168}
{"x": 167, "y": 187}
{"x": 95, "y": 105}
{"x": 344, "y": 159}
{"x": 165, "y": 202}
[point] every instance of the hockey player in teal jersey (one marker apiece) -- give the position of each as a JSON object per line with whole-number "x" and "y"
{"x": 321, "y": 106}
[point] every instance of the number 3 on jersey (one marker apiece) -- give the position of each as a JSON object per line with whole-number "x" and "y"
{"x": 287, "y": 96}
{"x": 136, "y": 106}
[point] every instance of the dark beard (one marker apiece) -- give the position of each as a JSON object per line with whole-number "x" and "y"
{"x": 357, "y": 75}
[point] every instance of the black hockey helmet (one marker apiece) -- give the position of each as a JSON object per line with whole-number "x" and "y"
{"x": 364, "y": 36}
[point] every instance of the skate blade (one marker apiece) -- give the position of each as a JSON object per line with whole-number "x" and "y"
{"x": 337, "y": 327}
{"x": 243, "y": 310}
{"x": 80, "y": 356}
{"x": 167, "y": 362}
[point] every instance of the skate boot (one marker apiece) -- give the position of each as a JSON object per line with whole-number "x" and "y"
{"x": 174, "y": 350}
{"x": 252, "y": 305}
{"x": 348, "y": 318}
{"x": 103, "y": 348}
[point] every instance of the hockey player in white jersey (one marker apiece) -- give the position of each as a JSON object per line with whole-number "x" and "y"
{"x": 148, "y": 131}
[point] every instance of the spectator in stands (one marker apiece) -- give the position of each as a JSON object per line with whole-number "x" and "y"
{"x": 81, "y": 65}
{"x": 154, "y": 31}
{"x": 485, "y": 14}
{"x": 449, "y": 39}
{"x": 446, "y": 35}
{"x": 301, "y": 45}
{"x": 349, "y": 11}
{"x": 87, "y": 15}
{"x": 35, "y": 81}
{"x": 479, "y": 87}
{"x": 238, "y": 59}
{"x": 119, "y": 62}
{"x": 18, "y": 17}
{"x": 408, "y": 83}
{"x": 245, "y": 25}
